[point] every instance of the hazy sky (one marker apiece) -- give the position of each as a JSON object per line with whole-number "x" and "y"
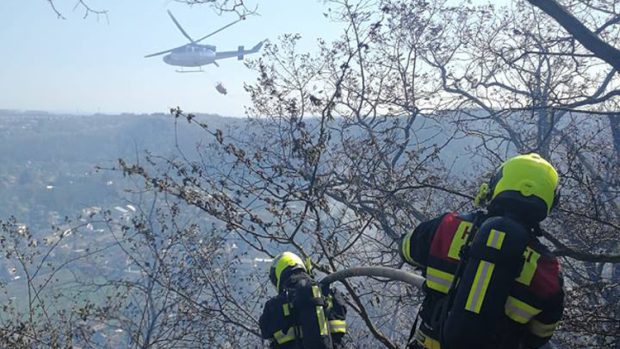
{"x": 84, "y": 65}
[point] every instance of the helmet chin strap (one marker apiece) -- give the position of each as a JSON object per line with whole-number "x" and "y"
{"x": 308, "y": 265}
{"x": 483, "y": 195}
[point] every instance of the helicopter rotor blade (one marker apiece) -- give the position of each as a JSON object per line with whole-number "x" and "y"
{"x": 180, "y": 28}
{"x": 219, "y": 30}
{"x": 159, "y": 53}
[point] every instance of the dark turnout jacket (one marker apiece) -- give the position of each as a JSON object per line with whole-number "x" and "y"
{"x": 532, "y": 305}
{"x": 281, "y": 326}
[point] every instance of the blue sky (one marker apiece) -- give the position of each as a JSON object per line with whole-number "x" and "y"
{"x": 82, "y": 65}
{"x": 85, "y": 66}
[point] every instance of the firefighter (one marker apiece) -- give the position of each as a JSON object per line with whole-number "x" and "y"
{"x": 508, "y": 291}
{"x": 300, "y": 315}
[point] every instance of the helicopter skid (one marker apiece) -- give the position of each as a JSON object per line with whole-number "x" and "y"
{"x": 190, "y": 71}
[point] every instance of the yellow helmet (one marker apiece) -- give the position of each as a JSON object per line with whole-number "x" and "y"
{"x": 284, "y": 263}
{"x": 526, "y": 180}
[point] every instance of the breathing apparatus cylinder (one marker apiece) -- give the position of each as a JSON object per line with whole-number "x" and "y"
{"x": 493, "y": 261}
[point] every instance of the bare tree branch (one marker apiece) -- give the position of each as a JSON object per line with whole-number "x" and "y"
{"x": 585, "y": 36}
{"x": 565, "y": 251}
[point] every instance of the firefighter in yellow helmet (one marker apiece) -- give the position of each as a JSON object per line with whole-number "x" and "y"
{"x": 301, "y": 315}
{"x": 490, "y": 283}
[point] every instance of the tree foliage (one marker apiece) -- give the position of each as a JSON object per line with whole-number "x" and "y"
{"x": 351, "y": 146}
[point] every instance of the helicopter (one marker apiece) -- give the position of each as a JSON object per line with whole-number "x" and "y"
{"x": 195, "y": 54}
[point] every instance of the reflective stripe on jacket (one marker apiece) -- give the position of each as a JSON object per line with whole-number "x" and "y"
{"x": 277, "y": 323}
{"x": 535, "y": 304}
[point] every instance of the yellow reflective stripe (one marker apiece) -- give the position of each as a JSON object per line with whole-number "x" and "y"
{"x": 496, "y": 239}
{"x": 337, "y": 326}
{"x": 541, "y": 329}
{"x": 438, "y": 280}
{"x": 520, "y": 311}
{"x": 431, "y": 343}
{"x": 426, "y": 341}
{"x": 479, "y": 288}
{"x": 286, "y": 309}
{"x": 330, "y": 302}
{"x": 282, "y": 337}
{"x": 529, "y": 267}
{"x": 459, "y": 239}
{"x": 320, "y": 314}
{"x": 406, "y": 248}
